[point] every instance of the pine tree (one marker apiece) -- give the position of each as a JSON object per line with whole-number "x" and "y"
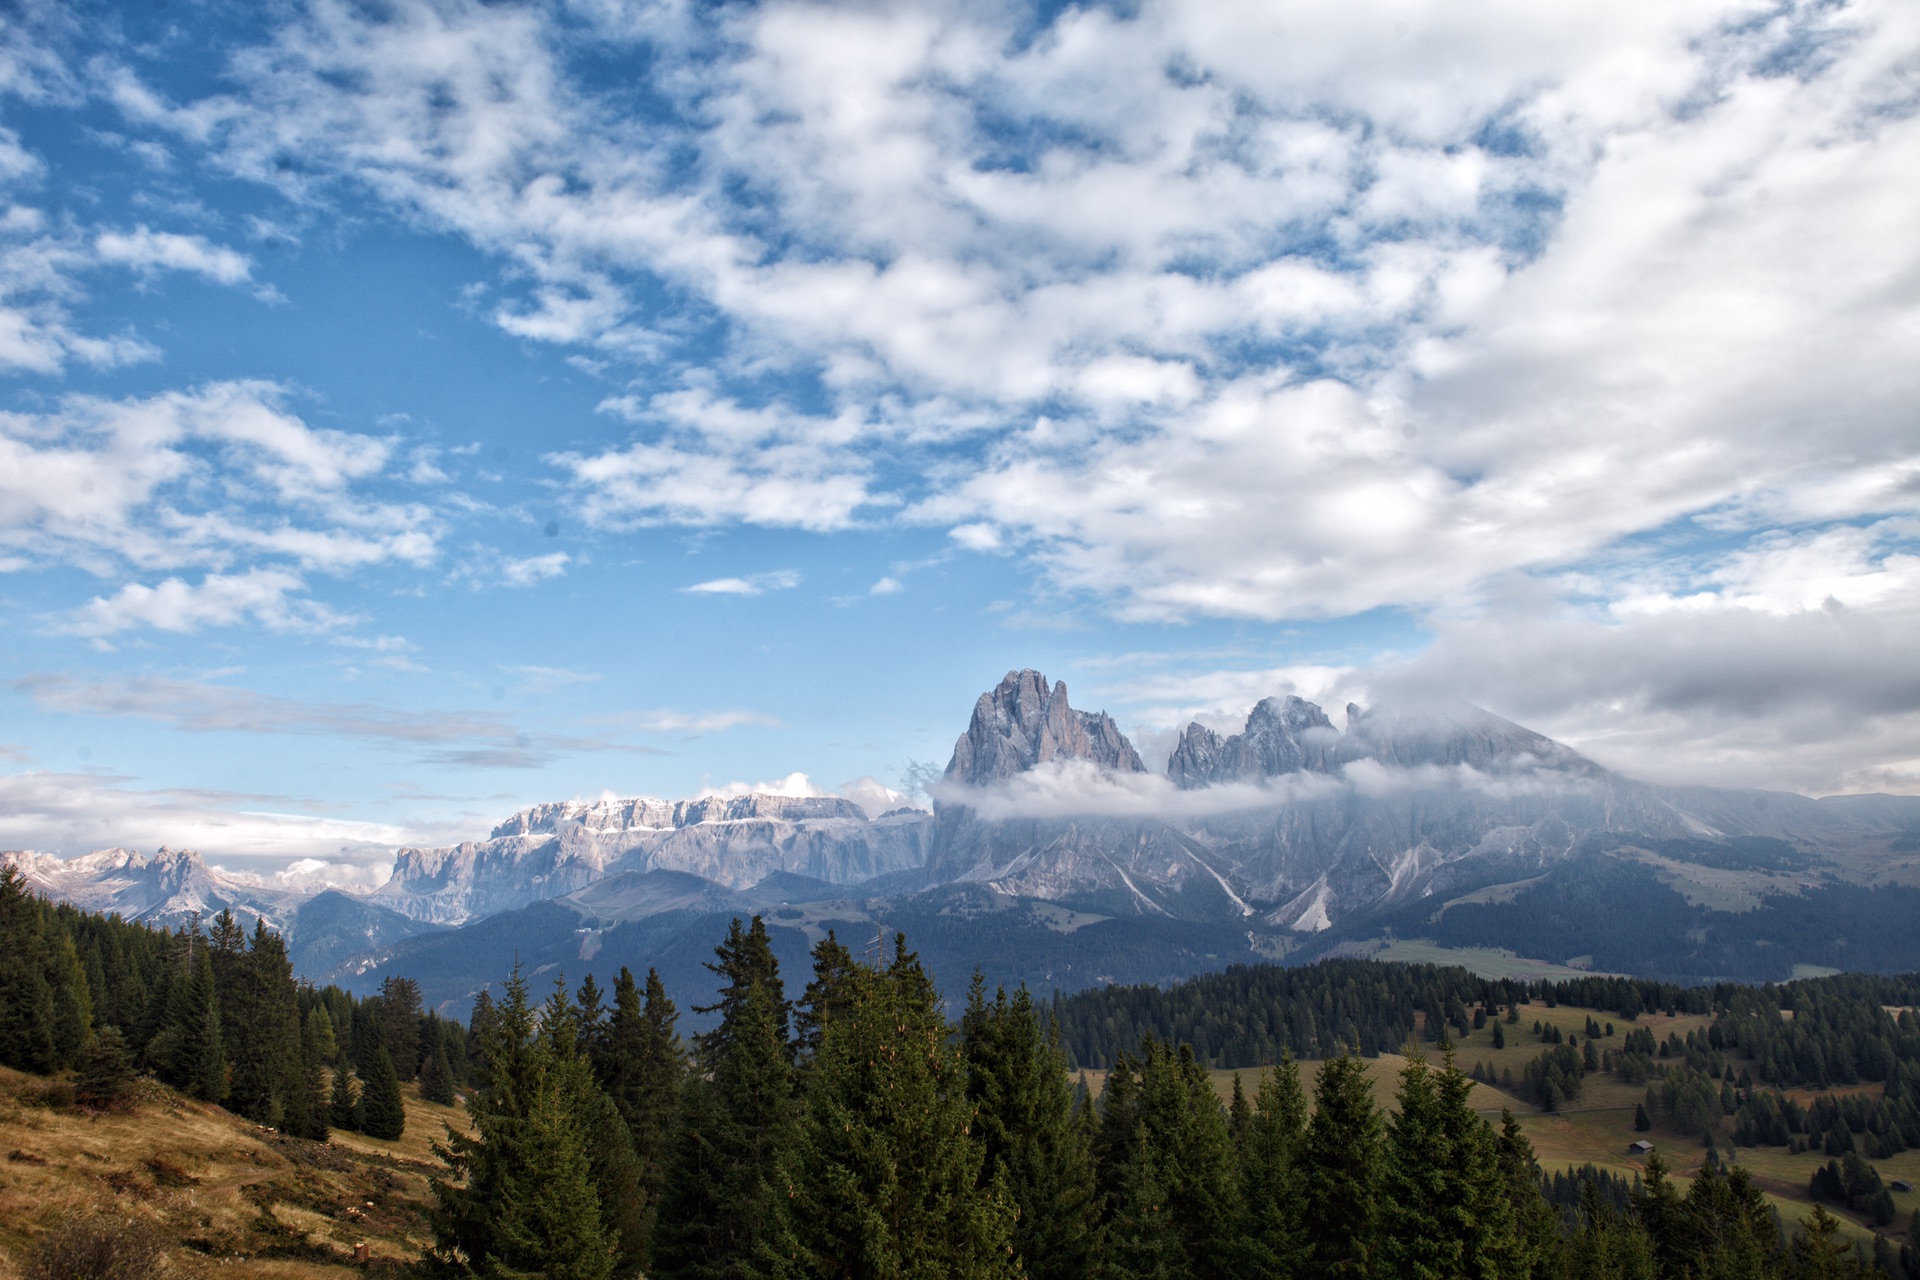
{"x": 640, "y": 1066}
{"x": 399, "y": 1014}
{"x": 1536, "y": 1250}
{"x": 1272, "y": 1177}
{"x": 1343, "y": 1156}
{"x": 886, "y": 1180}
{"x": 518, "y": 1197}
{"x": 828, "y": 995}
{"x": 611, "y": 1165}
{"x": 26, "y": 999}
{"x": 435, "y": 1084}
{"x": 343, "y": 1101}
{"x": 383, "y": 1113}
{"x": 723, "y": 1214}
{"x": 1033, "y": 1143}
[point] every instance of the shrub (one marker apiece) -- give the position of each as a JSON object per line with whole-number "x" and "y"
{"x": 99, "y": 1249}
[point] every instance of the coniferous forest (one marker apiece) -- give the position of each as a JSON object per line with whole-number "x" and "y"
{"x": 852, "y": 1129}
{"x": 215, "y": 1013}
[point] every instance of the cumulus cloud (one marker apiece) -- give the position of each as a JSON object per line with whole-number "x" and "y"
{"x": 218, "y": 600}
{"x": 209, "y": 479}
{"x": 1330, "y": 320}
{"x": 147, "y": 250}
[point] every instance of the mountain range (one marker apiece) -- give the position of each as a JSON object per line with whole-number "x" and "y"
{"x": 1052, "y": 854}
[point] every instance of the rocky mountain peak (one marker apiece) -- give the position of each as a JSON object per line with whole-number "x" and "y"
{"x": 1021, "y": 722}
{"x": 1282, "y": 735}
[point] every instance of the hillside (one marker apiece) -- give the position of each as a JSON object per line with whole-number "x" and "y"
{"x": 214, "y": 1189}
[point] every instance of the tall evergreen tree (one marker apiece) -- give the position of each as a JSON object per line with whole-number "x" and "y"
{"x": 829, "y": 994}
{"x": 518, "y": 1198}
{"x": 886, "y": 1181}
{"x": 26, "y": 998}
{"x": 1272, "y": 1174}
{"x": 1034, "y": 1146}
{"x": 399, "y": 1015}
{"x": 343, "y": 1101}
{"x": 1185, "y": 1131}
{"x": 1343, "y": 1153}
{"x": 1536, "y": 1251}
{"x": 612, "y": 1167}
{"x": 723, "y": 1216}
{"x": 383, "y": 1113}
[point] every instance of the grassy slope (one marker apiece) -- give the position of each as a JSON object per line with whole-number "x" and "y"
{"x": 213, "y": 1185}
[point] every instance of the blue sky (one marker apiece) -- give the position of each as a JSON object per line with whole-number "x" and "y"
{"x": 416, "y": 410}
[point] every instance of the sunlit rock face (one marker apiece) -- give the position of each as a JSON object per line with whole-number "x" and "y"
{"x": 551, "y": 850}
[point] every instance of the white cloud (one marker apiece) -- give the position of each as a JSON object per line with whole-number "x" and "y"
{"x": 873, "y": 797}
{"x": 757, "y": 584}
{"x": 75, "y": 813}
{"x": 533, "y": 569}
{"x": 1368, "y": 305}
{"x": 886, "y": 587}
{"x": 144, "y": 249}
{"x": 121, "y": 478}
{"x": 222, "y": 478}
{"x": 798, "y": 785}
{"x": 219, "y": 600}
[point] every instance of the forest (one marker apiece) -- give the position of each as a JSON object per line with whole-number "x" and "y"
{"x": 852, "y": 1129}
{"x": 216, "y": 1014}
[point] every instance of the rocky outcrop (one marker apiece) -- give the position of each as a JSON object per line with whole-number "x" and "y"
{"x": 1282, "y": 735}
{"x": 1020, "y": 723}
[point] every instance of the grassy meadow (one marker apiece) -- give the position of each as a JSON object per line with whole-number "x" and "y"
{"x": 227, "y": 1196}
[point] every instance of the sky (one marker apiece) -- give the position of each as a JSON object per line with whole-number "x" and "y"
{"x": 410, "y": 411}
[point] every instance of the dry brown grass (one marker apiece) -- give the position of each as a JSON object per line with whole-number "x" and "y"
{"x": 226, "y": 1196}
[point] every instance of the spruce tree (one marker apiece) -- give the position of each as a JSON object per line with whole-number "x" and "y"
{"x": 611, "y": 1165}
{"x": 398, "y": 1009}
{"x": 1142, "y": 1241}
{"x": 1034, "y": 1144}
{"x": 1536, "y": 1250}
{"x": 1186, "y": 1133}
{"x": 435, "y": 1084}
{"x": 1272, "y": 1175}
{"x": 1343, "y": 1156}
{"x": 886, "y": 1182}
{"x": 518, "y": 1197}
{"x": 343, "y": 1105}
{"x": 383, "y": 1113}
{"x": 723, "y": 1214}
{"x": 828, "y": 995}
{"x": 26, "y": 999}
{"x": 315, "y": 1111}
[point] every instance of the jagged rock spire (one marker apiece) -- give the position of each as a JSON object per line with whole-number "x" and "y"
{"x": 1020, "y": 723}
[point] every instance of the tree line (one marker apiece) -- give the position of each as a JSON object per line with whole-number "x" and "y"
{"x": 215, "y": 1013}
{"x": 854, "y": 1132}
